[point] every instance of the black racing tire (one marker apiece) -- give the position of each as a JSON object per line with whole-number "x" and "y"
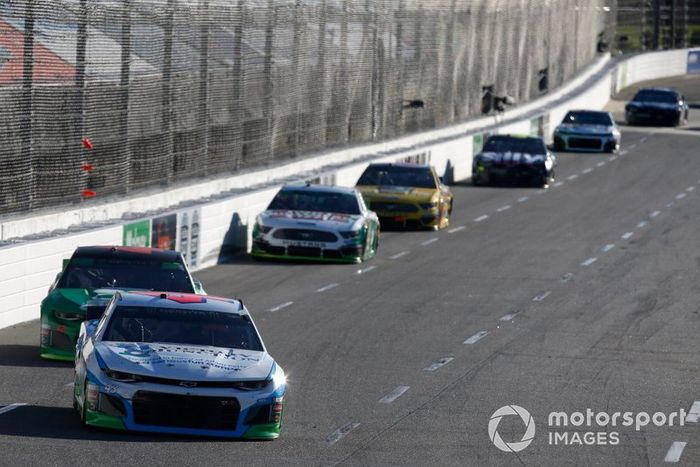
{"x": 82, "y": 412}
{"x": 449, "y": 210}
{"x": 475, "y": 180}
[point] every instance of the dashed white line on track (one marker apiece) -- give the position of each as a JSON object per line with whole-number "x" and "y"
{"x": 503, "y": 208}
{"x": 600, "y": 164}
{"x": 542, "y": 296}
{"x": 399, "y": 255}
{"x": 589, "y": 261}
{"x": 509, "y": 316}
{"x": 675, "y": 451}
{"x": 280, "y": 306}
{"x": 558, "y": 184}
{"x": 681, "y": 195}
{"x": 627, "y": 235}
{"x": 608, "y": 247}
{"x": 642, "y": 224}
{"x": 69, "y": 385}
{"x": 476, "y": 337}
{"x": 428, "y": 242}
{"x": 632, "y": 146}
{"x": 655, "y": 213}
{"x": 341, "y": 432}
{"x": 456, "y": 229}
{"x": 438, "y": 363}
{"x": 615, "y": 157}
{"x": 11, "y": 407}
{"x": 694, "y": 413}
{"x": 690, "y": 188}
{"x": 328, "y": 287}
{"x": 366, "y": 270}
{"x": 393, "y": 395}
{"x": 587, "y": 171}
{"x": 523, "y": 199}
{"x": 481, "y": 218}
{"x": 566, "y": 277}
{"x": 670, "y": 205}
{"x": 572, "y": 177}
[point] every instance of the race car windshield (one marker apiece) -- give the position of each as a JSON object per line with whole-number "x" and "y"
{"x": 419, "y": 177}
{"x": 656, "y": 96}
{"x": 110, "y": 272}
{"x": 340, "y": 203}
{"x": 588, "y": 118}
{"x": 509, "y": 144}
{"x": 181, "y": 326}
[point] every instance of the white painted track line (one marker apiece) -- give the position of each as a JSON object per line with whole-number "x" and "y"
{"x": 655, "y": 213}
{"x": 589, "y": 261}
{"x": 456, "y": 229}
{"x": 481, "y": 218}
{"x": 393, "y": 395}
{"x": 523, "y": 199}
{"x": 608, "y": 247}
{"x": 503, "y": 208}
{"x": 11, "y": 407}
{"x": 476, "y": 337}
{"x": 280, "y": 306}
{"x": 428, "y": 242}
{"x": 627, "y": 235}
{"x": 327, "y": 287}
{"x": 341, "y": 432}
{"x": 438, "y": 364}
{"x": 366, "y": 270}
{"x": 542, "y": 296}
{"x": 399, "y": 255}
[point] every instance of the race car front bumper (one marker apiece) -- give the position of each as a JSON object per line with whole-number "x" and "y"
{"x": 585, "y": 143}
{"x": 157, "y": 408}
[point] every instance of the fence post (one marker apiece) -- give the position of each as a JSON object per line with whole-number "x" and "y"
{"x": 166, "y": 91}
{"x": 267, "y": 73}
{"x": 124, "y": 88}
{"x": 80, "y": 68}
{"x": 26, "y": 102}
{"x": 204, "y": 82}
{"x": 237, "y": 86}
{"x": 296, "y": 57}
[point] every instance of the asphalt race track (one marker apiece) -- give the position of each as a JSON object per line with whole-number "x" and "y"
{"x": 583, "y": 295}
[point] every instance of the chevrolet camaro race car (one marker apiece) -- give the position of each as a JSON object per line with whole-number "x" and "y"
{"x": 587, "y": 130}
{"x": 516, "y": 159}
{"x": 318, "y": 223}
{"x": 406, "y": 195}
{"x": 177, "y": 363}
{"x": 88, "y": 282}
{"x": 657, "y": 105}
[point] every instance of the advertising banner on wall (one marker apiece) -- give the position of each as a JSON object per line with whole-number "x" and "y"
{"x": 164, "y": 232}
{"x": 137, "y": 233}
{"x": 188, "y": 235}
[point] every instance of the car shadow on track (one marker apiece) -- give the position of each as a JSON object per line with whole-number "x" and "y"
{"x": 27, "y": 356}
{"x": 35, "y": 421}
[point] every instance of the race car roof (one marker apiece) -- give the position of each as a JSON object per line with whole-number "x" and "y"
{"x": 400, "y": 164}
{"x": 126, "y": 252}
{"x": 319, "y": 188}
{"x": 180, "y": 301}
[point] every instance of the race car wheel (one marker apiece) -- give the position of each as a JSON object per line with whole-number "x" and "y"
{"x": 449, "y": 210}
{"x": 82, "y": 412}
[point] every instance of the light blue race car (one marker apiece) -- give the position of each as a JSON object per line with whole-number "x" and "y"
{"x": 587, "y": 131}
{"x": 177, "y": 363}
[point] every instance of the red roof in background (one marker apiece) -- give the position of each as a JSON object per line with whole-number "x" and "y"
{"x": 48, "y": 67}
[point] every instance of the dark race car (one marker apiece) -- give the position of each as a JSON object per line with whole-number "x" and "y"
{"x": 89, "y": 280}
{"x": 657, "y": 106}
{"x": 587, "y": 131}
{"x": 514, "y": 159}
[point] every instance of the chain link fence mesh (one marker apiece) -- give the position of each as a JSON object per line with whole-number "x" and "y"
{"x": 106, "y": 97}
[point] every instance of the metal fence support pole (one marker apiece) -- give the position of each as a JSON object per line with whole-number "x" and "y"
{"x": 296, "y": 59}
{"x": 657, "y": 24}
{"x": 320, "y": 113}
{"x": 124, "y": 88}
{"x": 166, "y": 91}
{"x": 267, "y": 73}
{"x": 346, "y": 106}
{"x": 204, "y": 83}
{"x": 26, "y": 104}
{"x": 237, "y": 86}
{"x": 80, "y": 92}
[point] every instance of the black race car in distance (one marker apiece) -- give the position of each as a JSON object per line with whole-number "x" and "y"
{"x": 514, "y": 159}
{"x": 657, "y": 105}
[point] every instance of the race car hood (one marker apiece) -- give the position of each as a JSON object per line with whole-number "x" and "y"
{"x": 397, "y": 193}
{"x": 325, "y": 220}
{"x": 185, "y": 362}
{"x": 511, "y": 158}
{"x": 653, "y": 105}
{"x": 570, "y": 128}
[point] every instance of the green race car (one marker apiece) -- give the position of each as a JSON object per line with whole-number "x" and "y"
{"x": 88, "y": 281}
